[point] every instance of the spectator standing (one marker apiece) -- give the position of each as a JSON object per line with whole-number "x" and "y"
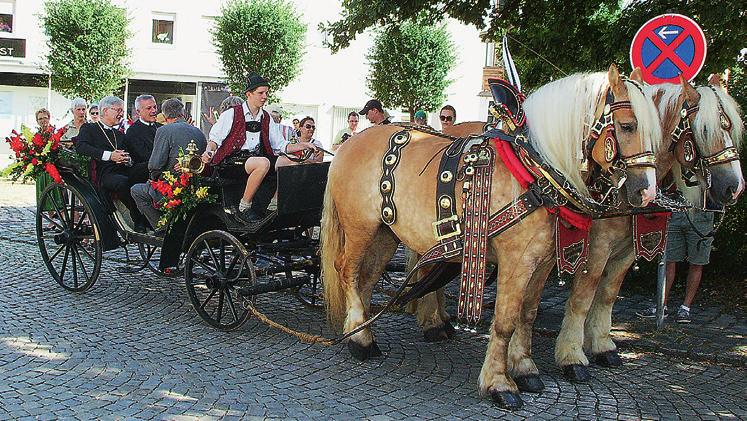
{"x": 447, "y": 115}
{"x": 347, "y": 132}
{"x": 93, "y": 113}
{"x": 421, "y": 119}
{"x": 78, "y": 108}
{"x": 690, "y": 239}
{"x": 374, "y": 112}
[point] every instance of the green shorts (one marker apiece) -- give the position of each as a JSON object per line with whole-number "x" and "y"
{"x": 684, "y": 243}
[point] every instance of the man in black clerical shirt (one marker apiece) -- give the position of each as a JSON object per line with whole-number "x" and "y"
{"x": 140, "y": 135}
{"x": 106, "y": 146}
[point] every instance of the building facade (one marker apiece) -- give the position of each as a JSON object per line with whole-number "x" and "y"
{"x": 172, "y": 55}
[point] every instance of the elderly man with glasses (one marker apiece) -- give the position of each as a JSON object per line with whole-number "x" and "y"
{"x": 105, "y": 144}
{"x": 248, "y": 132}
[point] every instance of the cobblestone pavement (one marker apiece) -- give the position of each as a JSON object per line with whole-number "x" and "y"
{"x": 132, "y": 347}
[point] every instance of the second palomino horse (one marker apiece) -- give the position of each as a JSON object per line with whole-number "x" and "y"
{"x": 717, "y": 131}
{"x": 357, "y": 243}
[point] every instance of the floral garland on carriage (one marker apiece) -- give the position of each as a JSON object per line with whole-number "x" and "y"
{"x": 36, "y": 154}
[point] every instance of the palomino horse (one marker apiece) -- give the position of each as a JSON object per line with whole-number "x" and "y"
{"x": 356, "y": 244}
{"x": 612, "y": 252}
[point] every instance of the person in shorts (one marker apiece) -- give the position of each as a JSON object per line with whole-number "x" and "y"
{"x": 689, "y": 238}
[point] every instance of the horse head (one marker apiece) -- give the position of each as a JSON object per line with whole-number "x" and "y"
{"x": 717, "y": 128}
{"x": 622, "y": 141}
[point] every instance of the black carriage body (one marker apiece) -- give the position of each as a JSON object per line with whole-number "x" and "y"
{"x": 108, "y": 228}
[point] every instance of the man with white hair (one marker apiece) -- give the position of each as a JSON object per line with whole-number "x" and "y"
{"x": 139, "y": 136}
{"x": 103, "y": 143}
{"x": 78, "y": 108}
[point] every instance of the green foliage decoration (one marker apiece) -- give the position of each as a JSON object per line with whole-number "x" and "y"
{"x": 409, "y": 66}
{"x": 87, "y": 46}
{"x": 262, "y": 36}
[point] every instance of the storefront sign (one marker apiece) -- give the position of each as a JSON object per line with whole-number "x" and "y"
{"x": 12, "y": 47}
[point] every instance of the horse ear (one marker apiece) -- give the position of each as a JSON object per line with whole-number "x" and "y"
{"x": 690, "y": 93}
{"x": 637, "y": 75}
{"x": 613, "y": 76}
{"x": 715, "y": 80}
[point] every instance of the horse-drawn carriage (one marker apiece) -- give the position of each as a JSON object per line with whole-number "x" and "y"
{"x": 225, "y": 261}
{"x": 391, "y": 200}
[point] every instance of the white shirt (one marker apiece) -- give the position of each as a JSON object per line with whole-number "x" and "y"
{"x": 222, "y": 128}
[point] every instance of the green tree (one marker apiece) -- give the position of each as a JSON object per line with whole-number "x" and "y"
{"x": 262, "y": 36}
{"x": 409, "y": 64}
{"x": 573, "y": 35}
{"x": 87, "y": 46}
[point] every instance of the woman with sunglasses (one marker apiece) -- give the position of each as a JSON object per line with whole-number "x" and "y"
{"x": 307, "y": 127}
{"x": 93, "y": 113}
{"x": 248, "y": 131}
{"x": 447, "y": 115}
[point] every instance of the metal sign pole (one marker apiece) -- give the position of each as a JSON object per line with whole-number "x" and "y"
{"x": 661, "y": 284}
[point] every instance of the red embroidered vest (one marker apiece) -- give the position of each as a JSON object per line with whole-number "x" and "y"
{"x": 237, "y": 136}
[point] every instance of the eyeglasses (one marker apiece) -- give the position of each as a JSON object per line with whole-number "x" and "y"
{"x": 94, "y": 113}
{"x": 446, "y": 118}
{"x": 309, "y": 126}
{"x": 352, "y": 121}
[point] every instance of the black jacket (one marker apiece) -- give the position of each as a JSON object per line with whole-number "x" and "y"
{"x": 139, "y": 141}
{"x": 92, "y": 141}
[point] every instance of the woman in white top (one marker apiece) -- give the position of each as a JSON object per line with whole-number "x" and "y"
{"x": 307, "y": 127}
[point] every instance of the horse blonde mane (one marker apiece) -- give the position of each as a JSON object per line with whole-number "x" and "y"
{"x": 708, "y": 121}
{"x": 561, "y": 113}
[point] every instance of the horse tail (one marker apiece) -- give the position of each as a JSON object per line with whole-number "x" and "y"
{"x": 332, "y": 244}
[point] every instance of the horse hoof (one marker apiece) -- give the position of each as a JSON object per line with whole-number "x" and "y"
{"x": 436, "y": 334}
{"x": 529, "y": 383}
{"x": 449, "y": 328}
{"x": 507, "y": 400}
{"x": 362, "y": 353}
{"x": 608, "y": 359}
{"x": 576, "y": 373}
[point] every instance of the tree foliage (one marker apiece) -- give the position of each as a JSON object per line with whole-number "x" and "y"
{"x": 574, "y": 35}
{"x": 409, "y": 64}
{"x": 262, "y": 36}
{"x": 87, "y": 46}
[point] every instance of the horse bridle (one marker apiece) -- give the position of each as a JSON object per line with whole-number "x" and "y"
{"x": 607, "y": 154}
{"x": 695, "y": 161}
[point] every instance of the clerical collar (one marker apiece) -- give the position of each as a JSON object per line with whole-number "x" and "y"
{"x": 105, "y": 126}
{"x": 146, "y": 123}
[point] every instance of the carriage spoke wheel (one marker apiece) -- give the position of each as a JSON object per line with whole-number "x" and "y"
{"x": 216, "y": 267}
{"x": 151, "y": 256}
{"x": 69, "y": 237}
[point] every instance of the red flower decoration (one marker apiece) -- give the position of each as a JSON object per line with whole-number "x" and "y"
{"x": 52, "y": 171}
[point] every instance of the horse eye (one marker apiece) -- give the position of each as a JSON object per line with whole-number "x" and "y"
{"x": 628, "y": 127}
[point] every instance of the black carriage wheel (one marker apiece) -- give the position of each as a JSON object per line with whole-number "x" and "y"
{"x": 151, "y": 256}
{"x": 69, "y": 237}
{"x": 216, "y": 266}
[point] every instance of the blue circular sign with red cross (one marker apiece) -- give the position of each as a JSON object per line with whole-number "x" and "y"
{"x": 667, "y": 46}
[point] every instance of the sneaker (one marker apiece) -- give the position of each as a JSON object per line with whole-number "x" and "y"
{"x": 249, "y": 216}
{"x": 650, "y": 312}
{"x": 683, "y": 316}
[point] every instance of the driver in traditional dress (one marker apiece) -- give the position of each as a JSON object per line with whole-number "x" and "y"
{"x": 251, "y": 129}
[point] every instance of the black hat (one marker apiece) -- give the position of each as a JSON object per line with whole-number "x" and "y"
{"x": 371, "y": 105}
{"x": 255, "y": 81}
